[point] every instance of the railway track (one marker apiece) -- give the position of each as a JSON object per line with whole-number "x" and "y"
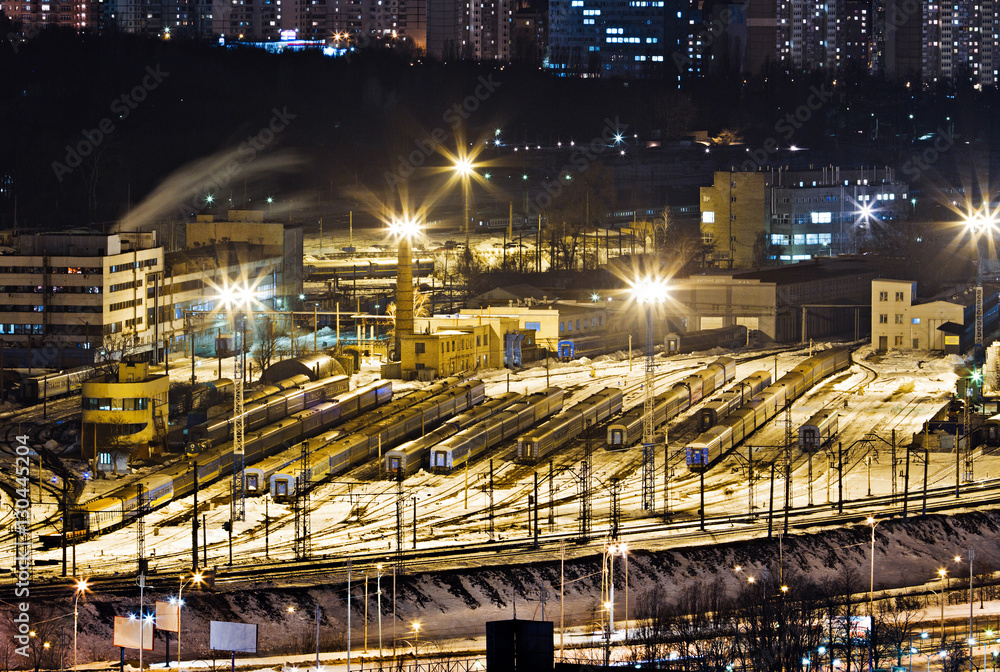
{"x": 683, "y": 530}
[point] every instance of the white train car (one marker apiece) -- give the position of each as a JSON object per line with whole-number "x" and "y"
{"x": 818, "y": 431}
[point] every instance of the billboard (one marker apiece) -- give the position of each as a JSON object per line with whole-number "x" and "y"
{"x": 228, "y": 636}
{"x": 168, "y": 616}
{"x": 127, "y": 633}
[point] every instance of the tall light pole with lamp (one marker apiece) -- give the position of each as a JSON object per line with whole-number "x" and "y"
{"x": 979, "y": 224}
{"x": 943, "y": 574}
{"x": 871, "y": 590}
{"x": 648, "y": 292}
{"x": 81, "y": 588}
{"x": 465, "y": 169}
{"x": 416, "y": 640}
{"x": 238, "y": 299}
{"x": 197, "y": 577}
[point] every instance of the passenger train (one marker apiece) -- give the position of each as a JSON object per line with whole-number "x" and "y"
{"x": 733, "y": 399}
{"x": 412, "y": 455}
{"x": 706, "y": 339}
{"x": 817, "y": 432}
{"x": 706, "y": 450}
{"x": 350, "y": 450}
{"x": 591, "y": 346}
{"x": 474, "y": 442}
{"x": 267, "y": 406}
{"x": 563, "y": 428}
{"x": 627, "y": 430}
{"x": 258, "y": 478}
{"x": 122, "y": 505}
{"x": 345, "y": 269}
{"x": 36, "y": 389}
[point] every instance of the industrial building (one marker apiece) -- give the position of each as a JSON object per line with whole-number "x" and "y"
{"x": 758, "y": 217}
{"x": 794, "y": 303}
{"x": 76, "y": 297}
{"x": 124, "y": 416}
{"x": 944, "y": 323}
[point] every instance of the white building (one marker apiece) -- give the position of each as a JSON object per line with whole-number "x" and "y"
{"x": 900, "y": 324}
{"x": 65, "y": 296}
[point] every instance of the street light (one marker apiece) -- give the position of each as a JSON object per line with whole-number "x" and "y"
{"x": 236, "y": 298}
{"x": 378, "y": 594}
{"x": 464, "y": 168}
{"x": 81, "y": 587}
{"x": 943, "y": 573}
{"x": 416, "y": 638}
{"x": 871, "y": 576}
{"x": 649, "y": 291}
{"x": 197, "y": 577}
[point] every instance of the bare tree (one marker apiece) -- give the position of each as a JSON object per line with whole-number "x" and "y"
{"x": 266, "y": 338}
{"x": 897, "y": 618}
{"x": 115, "y": 348}
{"x": 419, "y": 310}
{"x": 470, "y": 268}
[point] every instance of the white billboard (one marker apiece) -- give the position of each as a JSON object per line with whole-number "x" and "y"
{"x": 168, "y": 616}
{"x": 228, "y": 636}
{"x": 127, "y": 633}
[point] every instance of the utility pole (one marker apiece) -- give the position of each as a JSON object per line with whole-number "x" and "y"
{"x": 140, "y": 527}
{"x": 194, "y": 520}
{"x": 648, "y": 455}
{"x": 302, "y": 536}
{"x": 239, "y": 500}
{"x": 789, "y": 440}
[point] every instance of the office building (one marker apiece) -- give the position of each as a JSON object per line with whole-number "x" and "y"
{"x": 611, "y": 38}
{"x": 482, "y": 31}
{"x": 75, "y": 297}
{"x": 124, "y": 415}
{"x": 761, "y": 217}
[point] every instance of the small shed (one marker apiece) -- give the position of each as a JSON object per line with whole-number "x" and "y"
{"x": 315, "y": 365}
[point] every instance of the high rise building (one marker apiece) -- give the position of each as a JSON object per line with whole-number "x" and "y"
{"x": 617, "y": 38}
{"x": 807, "y": 34}
{"x": 38, "y": 14}
{"x": 797, "y": 215}
{"x": 481, "y": 31}
{"x": 960, "y": 42}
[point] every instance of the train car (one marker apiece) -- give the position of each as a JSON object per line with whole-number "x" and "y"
{"x": 991, "y": 428}
{"x": 354, "y": 445}
{"x": 627, "y": 430}
{"x": 352, "y": 270}
{"x": 732, "y": 399}
{"x": 818, "y": 431}
{"x": 591, "y": 346}
{"x": 474, "y": 441}
{"x": 178, "y": 480}
{"x": 566, "y": 426}
{"x": 268, "y": 405}
{"x": 36, "y": 389}
{"x": 707, "y": 339}
{"x": 712, "y": 444}
{"x": 410, "y": 457}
